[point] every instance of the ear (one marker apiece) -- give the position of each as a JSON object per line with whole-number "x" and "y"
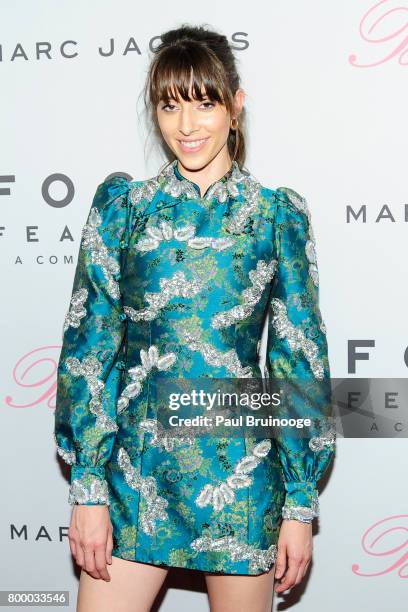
{"x": 239, "y": 99}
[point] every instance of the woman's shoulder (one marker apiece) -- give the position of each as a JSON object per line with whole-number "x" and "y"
{"x": 121, "y": 187}
{"x": 288, "y": 199}
{"x": 111, "y": 188}
{"x": 279, "y": 194}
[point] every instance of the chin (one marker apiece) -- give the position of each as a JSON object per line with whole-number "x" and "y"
{"x": 195, "y": 161}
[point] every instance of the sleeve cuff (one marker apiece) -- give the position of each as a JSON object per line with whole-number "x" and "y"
{"x": 301, "y": 502}
{"x": 88, "y": 486}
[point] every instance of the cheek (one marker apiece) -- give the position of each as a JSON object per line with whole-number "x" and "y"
{"x": 218, "y": 124}
{"x": 164, "y": 126}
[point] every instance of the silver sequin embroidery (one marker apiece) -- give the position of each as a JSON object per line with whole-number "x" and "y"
{"x": 149, "y": 359}
{"x": 90, "y": 368}
{"x": 88, "y": 488}
{"x": 296, "y": 337}
{"x": 220, "y": 190}
{"x": 76, "y": 310}
{"x": 145, "y": 191}
{"x": 238, "y": 551}
{"x": 310, "y": 248}
{"x": 155, "y": 504}
{"x": 236, "y": 224}
{"x": 92, "y": 241}
{"x": 176, "y": 286}
{"x": 164, "y": 231}
{"x": 224, "y": 493}
{"x": 212, "y": 355}
{"x": 319, "y": 442}
{"x": 303, "y": 514}
{"x": 168, "y": 182}
{"x": 160, "y": 438}
{"x": 250, "y": 296}
{"x": 68, "y": 456}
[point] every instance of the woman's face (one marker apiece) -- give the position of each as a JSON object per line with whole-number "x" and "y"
{"x": 196, "y": 131}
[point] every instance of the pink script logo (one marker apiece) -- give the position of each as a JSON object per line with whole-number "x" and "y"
{"x": 382, "y": 23}
{"x": 36, "y": 370}
{"x": 388, "y": 539}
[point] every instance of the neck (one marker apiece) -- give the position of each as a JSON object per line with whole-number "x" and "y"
{"x": 210, "y": 173}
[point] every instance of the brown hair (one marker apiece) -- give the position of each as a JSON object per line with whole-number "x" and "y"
{"x": 210, "y": 58}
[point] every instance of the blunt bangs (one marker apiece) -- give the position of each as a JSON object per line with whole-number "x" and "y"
{"x": 172, "y": 75}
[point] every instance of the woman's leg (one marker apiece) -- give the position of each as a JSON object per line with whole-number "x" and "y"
{"x": 231, "y": 593}
{"x": 133, "y": 587}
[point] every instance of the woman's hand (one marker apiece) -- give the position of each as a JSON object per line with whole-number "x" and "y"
{"x": 295, "y": 547}
{"x": 90, "y": 539}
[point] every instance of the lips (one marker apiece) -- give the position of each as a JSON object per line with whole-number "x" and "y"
{"x": 192, "y": 146}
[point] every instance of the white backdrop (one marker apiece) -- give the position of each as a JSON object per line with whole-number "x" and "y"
{"x": 326, "y": 99}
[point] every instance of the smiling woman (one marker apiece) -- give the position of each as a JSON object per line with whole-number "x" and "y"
{"x": 189, "y": 125}
{"x": 194, "y": 98}
{"x": 175, "y": 278}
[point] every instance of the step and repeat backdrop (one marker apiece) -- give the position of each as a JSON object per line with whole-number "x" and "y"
{"x": 326, "y": 87}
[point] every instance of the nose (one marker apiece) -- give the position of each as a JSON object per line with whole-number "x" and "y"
{"x": 187, "y": 121}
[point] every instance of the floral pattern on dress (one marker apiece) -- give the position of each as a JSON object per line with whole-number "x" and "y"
{"x": 170, "y": 282}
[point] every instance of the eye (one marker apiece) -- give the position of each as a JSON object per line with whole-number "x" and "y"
{"x": 167, "y": 108}
{"x": 211, "y": 104}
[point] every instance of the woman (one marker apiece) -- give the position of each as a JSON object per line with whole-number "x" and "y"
{"x": 174, "y": 278}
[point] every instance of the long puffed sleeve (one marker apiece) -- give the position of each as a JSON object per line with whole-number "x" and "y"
{"x": 93, "y": 337}
{"x": 297, "y": 351}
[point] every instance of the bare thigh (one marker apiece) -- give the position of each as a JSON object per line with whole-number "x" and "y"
{"x": 132, "y": 588}
{"x": 241, "y": 593}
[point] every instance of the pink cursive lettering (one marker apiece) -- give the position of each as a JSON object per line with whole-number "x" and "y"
{"x": 382, "y": 23}
{"x": 36, "y": 370}
{"x": 388, "y": 540}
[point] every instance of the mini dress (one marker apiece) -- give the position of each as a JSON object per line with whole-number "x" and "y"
{"x": 172, "y": 283}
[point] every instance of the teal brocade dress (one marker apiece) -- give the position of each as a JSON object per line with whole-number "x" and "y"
{"x": 169, "y": 282}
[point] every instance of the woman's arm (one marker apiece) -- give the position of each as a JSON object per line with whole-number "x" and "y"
{"x": 297, "y": 352}
{"x": 93, "y": 334}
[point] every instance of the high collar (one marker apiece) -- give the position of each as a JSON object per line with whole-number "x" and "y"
{"x": 211, "y": 187}
{"x": 176, "y": 184}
